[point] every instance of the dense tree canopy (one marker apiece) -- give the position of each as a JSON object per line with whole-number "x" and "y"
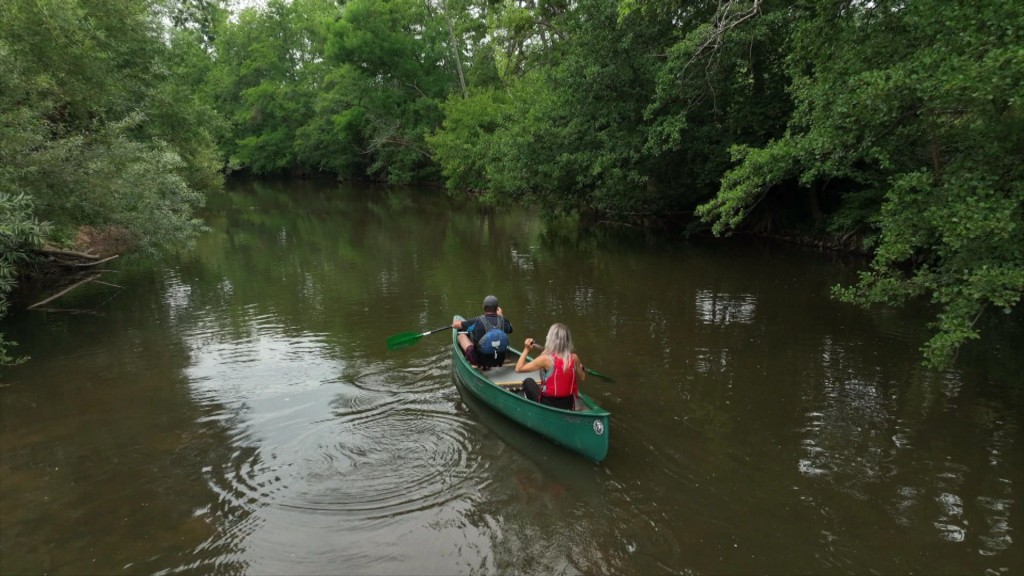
{"x": 908, "y": 121}
{"x": 98, "y": 131}
{"x": 890, "y": 126}
{"x": 95, "y": 130}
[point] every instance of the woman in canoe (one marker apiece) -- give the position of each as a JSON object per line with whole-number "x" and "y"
{"x": 563, "y": 366}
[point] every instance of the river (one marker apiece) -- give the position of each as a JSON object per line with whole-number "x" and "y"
{"x": 236, "y": 411}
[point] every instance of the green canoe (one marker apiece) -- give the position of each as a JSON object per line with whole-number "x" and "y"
{"x": 583, "y": 430}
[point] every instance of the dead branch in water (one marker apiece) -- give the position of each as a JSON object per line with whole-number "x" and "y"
{"x": 64, "y": 291}
{"x": 71, "y": 311}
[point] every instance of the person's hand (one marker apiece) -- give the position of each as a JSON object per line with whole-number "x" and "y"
{"x": 500, "y": 313}
{"x": 456, "y": 324}
{"x": 528, "y": 343}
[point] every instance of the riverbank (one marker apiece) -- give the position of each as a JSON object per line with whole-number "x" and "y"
{"x": 54, "y": 271}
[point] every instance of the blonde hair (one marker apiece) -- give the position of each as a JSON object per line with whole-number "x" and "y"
{"x": 559, "y": 343}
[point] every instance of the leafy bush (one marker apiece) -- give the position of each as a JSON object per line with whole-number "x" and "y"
{"x": 919, "y": 104}
{"x": 19, "y": 232}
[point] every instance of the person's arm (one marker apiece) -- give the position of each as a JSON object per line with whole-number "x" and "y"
{"x": 464, "y": 325}
{"x": 507, "y": 326}
{"x": 581, "y": 373}
{"x": 541, "y": 363}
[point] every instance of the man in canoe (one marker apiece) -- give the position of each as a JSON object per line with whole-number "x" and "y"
{"x": 484, "y": 339}
{"x": 564, "y": 368}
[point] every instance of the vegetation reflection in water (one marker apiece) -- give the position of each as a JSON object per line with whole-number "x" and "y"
{"x": 239, "y": 413}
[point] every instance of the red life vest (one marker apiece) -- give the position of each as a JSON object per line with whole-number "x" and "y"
{"x": 561, "y": 383}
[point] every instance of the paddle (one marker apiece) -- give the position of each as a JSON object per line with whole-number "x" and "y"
{"x": 585, "y": 369}
{"x": 406, "y": 339}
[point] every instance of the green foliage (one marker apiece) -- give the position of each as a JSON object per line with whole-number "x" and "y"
{"x": 334, "y": 139}
{"x": 919, "y": 105}
{"x": 109, "y": 179}
{"x": 97, "y": 132}
{"x": 745, "y": 185}
{"x": 391, "y": 52}
{"x": 720, "y": 86}
{"x": 180, "y": 114}
{"x": 528, "y": 148}
{"x": 201, "y": 17}
{"x": 309, "y": 86}
{"x": 565, "y": 131}
{"x": 600, "y": 110}
{"x": 464, "y": 145}
{"x": 19, "y": 232}
{"x": 263, "y": 79}
{"x": 86, "y": 60}
{"x": 896, "y": 124}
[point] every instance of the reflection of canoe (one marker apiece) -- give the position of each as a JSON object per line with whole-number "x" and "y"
{"x": 575, "y": 474}
{"x": 583, "y": 430}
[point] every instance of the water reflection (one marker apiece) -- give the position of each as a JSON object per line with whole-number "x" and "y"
{"x": 865, "y": 438}
{"x": 549, "y": 522}
{"x": 722, "y": 309}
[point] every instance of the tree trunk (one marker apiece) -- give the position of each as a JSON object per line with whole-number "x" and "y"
{"x": 455, "y": 51}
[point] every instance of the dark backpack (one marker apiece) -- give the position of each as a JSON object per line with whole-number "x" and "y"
{"x": 494, "y": 342}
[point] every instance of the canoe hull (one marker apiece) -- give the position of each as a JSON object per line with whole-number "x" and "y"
{"x": 584, "y": 431}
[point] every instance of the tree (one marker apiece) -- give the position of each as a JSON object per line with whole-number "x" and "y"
{"x": 353, "y": 90}
{"x": 88, "y": 85}
{"x": 615, "y": 109}
{"x": 93, "y": 130}
{"x": 388, "y": 82}
{"x": 19, "y": 232}
{"x": 908, "y": 118}
{"x": 265, "y": 74}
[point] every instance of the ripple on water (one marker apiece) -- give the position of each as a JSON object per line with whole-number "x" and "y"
{"x": 361, "y": 454}
{"x": 388, "y": 456}
{"x": 309, "y": 434}
{"x": 402, "y": 374}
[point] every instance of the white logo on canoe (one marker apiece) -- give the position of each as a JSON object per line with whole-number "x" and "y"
{"x": 598, "y": 427}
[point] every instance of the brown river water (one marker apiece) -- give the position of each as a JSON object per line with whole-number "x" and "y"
{"x": 236, "y": 411}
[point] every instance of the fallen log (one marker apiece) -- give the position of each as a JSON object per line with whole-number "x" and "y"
{"x": 87, "y": 264}
{"x": 72, "y": 253}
